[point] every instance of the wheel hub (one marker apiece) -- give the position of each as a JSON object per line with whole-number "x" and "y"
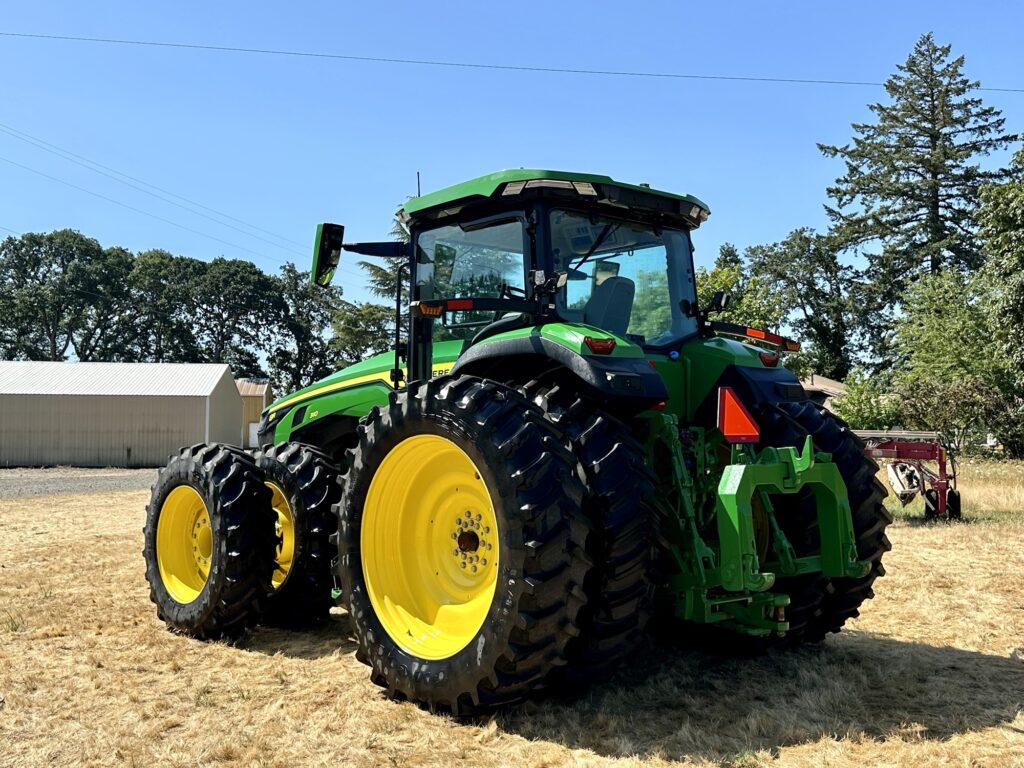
{"x": 429, "y": 546}
{"x": 184, "y": 544}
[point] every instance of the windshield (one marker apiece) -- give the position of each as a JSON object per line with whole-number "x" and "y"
{"x": 625, "y": 277}
{"x": 483, "y": 260}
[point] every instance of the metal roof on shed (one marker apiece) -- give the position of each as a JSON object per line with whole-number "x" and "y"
{"x": 49, "y": 378}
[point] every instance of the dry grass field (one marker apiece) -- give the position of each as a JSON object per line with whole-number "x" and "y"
{"x": 932, "y": 674}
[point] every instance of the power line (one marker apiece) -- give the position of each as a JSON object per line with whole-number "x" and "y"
{"x": 276, "y": 262}
{"x": 139, "y": 210}
{"x": 465, "y": 64}
{"x": 8, "y": 229}
{"x": 60, "y": 153}
{"x": 88, "y": 163}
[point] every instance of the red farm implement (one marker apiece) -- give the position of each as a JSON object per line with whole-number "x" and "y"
{"x": 910, "y": 469}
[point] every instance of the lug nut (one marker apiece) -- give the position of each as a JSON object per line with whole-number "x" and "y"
{"x": 462, "y": 564}
{"x": 473, "y": 569}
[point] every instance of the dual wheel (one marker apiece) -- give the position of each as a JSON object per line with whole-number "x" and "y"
{"x": 233, "y": 539}
{"x": 493, "y": 542}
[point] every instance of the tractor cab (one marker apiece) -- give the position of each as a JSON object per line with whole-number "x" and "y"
{"x": 541, "y": 246}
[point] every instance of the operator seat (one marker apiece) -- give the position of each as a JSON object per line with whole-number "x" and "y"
{"x": 610, "y": 305}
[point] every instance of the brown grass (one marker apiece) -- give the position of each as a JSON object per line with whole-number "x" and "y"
{"x": 933, "y": 674}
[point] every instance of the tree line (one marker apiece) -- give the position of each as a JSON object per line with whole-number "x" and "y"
{"x": 65, "y": 296}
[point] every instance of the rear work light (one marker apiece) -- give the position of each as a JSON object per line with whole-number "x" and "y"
{"x": 734, "y": 420}
{"x": 579, "y": 187}
{"x": 599, "y": 346}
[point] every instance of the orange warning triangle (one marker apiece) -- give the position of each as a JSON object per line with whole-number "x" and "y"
{"x": 734, "y": 421}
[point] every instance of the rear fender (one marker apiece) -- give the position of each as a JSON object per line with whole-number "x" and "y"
{"x": 624, "y": 381}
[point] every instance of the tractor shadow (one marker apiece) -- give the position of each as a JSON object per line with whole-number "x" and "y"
{"x": 689, "y": 703}
{"x": 333, "y": 636}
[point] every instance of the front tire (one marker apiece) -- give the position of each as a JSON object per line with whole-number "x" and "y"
{"x": 304, "y": 487}
{"x": 461, "y": 545}
{"x": 209, "y": 545}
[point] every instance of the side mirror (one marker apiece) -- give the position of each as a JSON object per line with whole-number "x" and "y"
{"x": 327, "y": 252}
{"x": 719, "y": 302}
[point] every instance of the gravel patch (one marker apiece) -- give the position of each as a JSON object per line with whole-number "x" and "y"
{"x": 23, "y": 483}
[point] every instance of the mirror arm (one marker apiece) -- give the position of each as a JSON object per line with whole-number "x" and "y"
{"x": 388, "y": 250}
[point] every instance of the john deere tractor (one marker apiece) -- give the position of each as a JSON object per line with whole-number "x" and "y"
{"x": 562, "y": 443}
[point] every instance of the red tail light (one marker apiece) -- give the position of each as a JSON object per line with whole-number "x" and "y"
{"x": 599, "y": 346}
{"x": 735, "y": 421}
{"x": 770, "y": 359}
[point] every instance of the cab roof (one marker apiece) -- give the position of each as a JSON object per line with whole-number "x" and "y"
{"x": 585, "y": 184}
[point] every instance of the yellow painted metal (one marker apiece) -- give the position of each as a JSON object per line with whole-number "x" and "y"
{"x": 429, "y": 543}
{"x": 184, "y": 544}
{"x": 284, "y": 526}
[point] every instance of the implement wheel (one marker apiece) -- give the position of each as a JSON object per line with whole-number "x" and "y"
{"x": 461, "y": 545}
{"x": 209, "y": 545}
{"x": 304, "y": 488}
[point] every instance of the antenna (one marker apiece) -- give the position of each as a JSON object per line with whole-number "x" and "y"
{"x": 417, "y": 183}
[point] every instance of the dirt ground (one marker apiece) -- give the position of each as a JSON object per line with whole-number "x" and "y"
{"x": 932, "y": 674}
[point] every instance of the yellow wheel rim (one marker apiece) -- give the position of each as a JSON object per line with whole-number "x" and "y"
{"x": 429, "y": 543}
{"x": 284, "y": 526}
{"x": 184, "y": 544}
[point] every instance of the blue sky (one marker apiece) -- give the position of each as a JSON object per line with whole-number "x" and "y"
{"x": 283, "y": 143}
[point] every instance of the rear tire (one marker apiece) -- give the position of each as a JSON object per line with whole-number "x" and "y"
{"x": 623, "y": 544}
{"x": 844, "y": 596}
{"x": 304, "y": 484}
{"x": 481, "y": 447}
{"x": 209, "y": 545}
{"x": 931, "y": 504}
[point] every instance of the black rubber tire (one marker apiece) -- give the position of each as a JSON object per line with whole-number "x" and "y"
{"x": 931, "y": 504}
{"x": 953, "y": 511}
{"x": 543, "y": 564}
{"x": 798, "y": 518}
{"x": 621, "y": 506}
{"x": 309, "y": 480}
{"x": 844, "y": 596}
{"x": 242, "y": 561}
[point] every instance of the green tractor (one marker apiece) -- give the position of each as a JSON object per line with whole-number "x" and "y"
{"x": 561, "y": 445}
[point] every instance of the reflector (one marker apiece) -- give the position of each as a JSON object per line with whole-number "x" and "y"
{"x": 599, "y": 346}
{"x": 734, "y": 421}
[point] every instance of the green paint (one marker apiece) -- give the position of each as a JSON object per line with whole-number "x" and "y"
{"x": 486, "y": 186}
{"x": 718, "y": 577}
{"x": 571, "y": 336}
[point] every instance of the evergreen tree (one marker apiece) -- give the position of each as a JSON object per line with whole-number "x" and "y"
{"x": 909, "y": 196}
{"x": 361, "y": 330}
